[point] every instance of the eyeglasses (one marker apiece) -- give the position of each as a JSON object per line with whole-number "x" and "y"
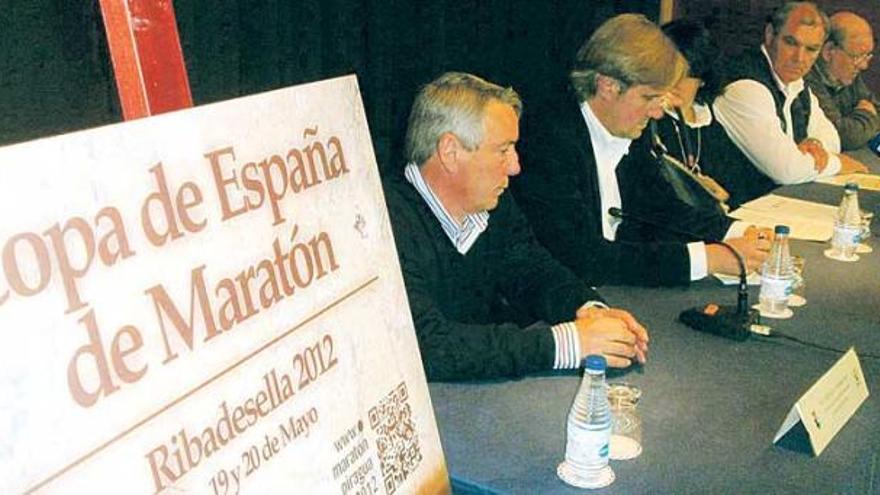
{"x": 856, "y": 58}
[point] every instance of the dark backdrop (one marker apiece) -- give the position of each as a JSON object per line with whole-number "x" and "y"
{"x": 55, "y": 74}
{"x": 741, "y": 23}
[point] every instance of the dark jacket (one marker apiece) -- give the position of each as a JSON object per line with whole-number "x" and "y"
{"x": 558, "y": 190}
{"x": 451, "y": 296}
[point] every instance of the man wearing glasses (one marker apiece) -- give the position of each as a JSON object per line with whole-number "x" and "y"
{"x": 837, "y": 83}
{"x": 769, "y": 114}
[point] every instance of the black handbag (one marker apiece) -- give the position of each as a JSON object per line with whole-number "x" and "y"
{"x": 689, "y": 183}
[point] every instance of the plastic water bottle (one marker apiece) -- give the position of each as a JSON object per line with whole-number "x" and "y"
{"x": 777, "y": 276}
{"x": 588, "y": 431}
{"x": 847, "y": 224}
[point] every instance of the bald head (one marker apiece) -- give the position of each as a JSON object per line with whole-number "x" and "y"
{"x": 849, "y": 49}
{"x": 846, "y": 25}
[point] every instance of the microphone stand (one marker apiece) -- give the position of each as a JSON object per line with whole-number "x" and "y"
{"x": 733, "y": 324}
{"x": 742, "y": 295}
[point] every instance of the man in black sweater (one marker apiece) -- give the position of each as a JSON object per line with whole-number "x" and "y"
{"x": 459, "y": 263}
{"x": 581, "y": 161}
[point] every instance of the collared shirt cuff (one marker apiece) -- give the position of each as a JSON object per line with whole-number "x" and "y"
{"x": 593, "y": 304}
{"x": 699, "y": 261}
{"x": 737, "y": 229}
{"x": 568, "y": 346}
{"x": 833, "y": 167}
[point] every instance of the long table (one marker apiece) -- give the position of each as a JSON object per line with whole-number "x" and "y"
{"x": 710, "y": 406}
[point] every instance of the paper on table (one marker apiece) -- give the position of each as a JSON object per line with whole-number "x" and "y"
{"x": 807, "y": 220}
{"x": 870, "y": 182}
{"x": 754, "y": 278}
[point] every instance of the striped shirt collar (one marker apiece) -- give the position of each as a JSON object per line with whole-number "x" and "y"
{"x": 462, "y": 236}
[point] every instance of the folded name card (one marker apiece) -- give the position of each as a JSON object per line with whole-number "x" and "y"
{"x": 829, "y": 403}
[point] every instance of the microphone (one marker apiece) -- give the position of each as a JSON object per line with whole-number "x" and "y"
{"x": 724, "y": 321}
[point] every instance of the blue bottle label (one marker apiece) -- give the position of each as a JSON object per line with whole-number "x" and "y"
{"x": 846, "y": 236}
{"x": 775, "y": 288}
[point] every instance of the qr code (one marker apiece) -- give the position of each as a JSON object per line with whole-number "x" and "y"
{"x": 396, "y": 439}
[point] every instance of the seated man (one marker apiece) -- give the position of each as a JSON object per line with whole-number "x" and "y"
{"x": 773, "y": 119}
{"x": 457, "y": 259}
{"x": 580, "y": 164}
{"x": 837, "y": 83}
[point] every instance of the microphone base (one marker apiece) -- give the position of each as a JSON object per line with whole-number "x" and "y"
{"x": 723, "y": 321}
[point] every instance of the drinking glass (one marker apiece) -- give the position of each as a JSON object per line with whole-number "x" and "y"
{"x": 796, "y": 298}
{"x": 626, "y": 425}
{"x": 864, "y": 246}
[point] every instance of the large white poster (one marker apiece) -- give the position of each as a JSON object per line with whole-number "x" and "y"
{"x": 209, "y": 301}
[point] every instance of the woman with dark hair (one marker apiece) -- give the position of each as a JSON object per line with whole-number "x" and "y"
{"x": 678, "y": 140}
{"x": 694, "y": 40}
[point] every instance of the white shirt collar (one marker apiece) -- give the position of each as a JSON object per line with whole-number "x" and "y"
{"x": 702, "y": 115}
{"x": 601, "y": 138}
{"x": 608, "y": 151}
{"x": 789, "y": 90}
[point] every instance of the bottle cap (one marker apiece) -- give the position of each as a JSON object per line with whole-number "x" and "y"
{"x": 595, "y": 362}
{"x": 781, "y": 230}
{"x": 851, "y": 186}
